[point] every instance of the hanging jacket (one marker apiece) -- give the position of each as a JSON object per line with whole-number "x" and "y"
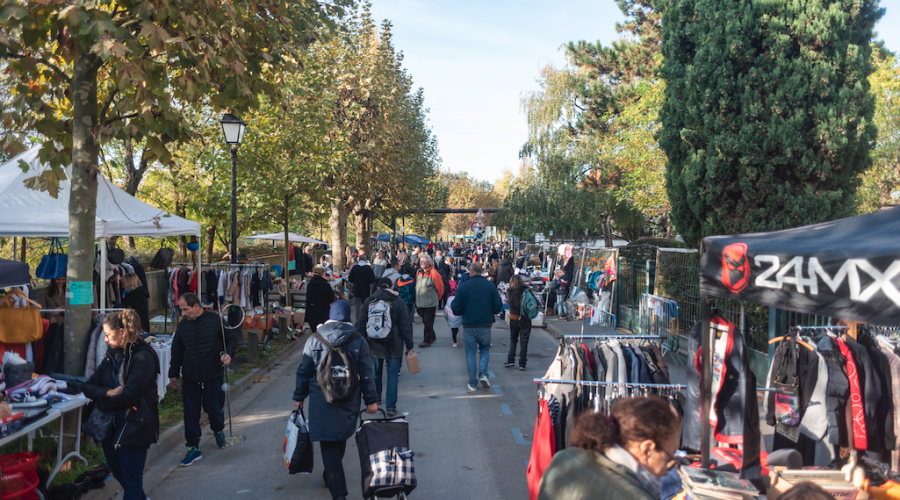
{"x": 884, "y": 406}
{"x": 838, "y": 389}
{"x": 542, "y": 449}
{"x": 871, "y": 394}
{"x": 137, "y": 299}
{"x": 138, "y": 399}
{"x": 504, "y": 271}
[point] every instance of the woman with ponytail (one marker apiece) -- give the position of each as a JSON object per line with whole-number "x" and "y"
{"x": 622, "y": 456}
{"x": 125, "y": 384}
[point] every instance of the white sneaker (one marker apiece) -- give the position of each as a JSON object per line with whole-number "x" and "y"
{"x": 471, "y": 389}
{"x": 454, "y": 344}
{"x": 485, "y": 382}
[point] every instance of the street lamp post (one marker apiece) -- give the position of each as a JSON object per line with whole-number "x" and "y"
{"x": 233, "y": 130}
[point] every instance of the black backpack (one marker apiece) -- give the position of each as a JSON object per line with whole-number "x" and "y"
{"x": 338, "y": 375}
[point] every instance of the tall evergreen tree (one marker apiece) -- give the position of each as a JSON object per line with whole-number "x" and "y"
{"x": 767, "y": 119}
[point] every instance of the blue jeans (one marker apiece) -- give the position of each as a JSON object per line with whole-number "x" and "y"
{"x": 477, "y": 339}
{"x": 127, "y": 466}
{"x": 561, "y": 304}
{"x": 393, "y": 370}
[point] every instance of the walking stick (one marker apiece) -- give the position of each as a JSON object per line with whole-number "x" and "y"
{"x": 231, "y": 440}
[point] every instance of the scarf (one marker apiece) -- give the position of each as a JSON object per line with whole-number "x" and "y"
{"x": 621, "y": 456}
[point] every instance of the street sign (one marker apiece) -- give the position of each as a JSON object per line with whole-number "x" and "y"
{"x": 479, "y": 235}
{"x": 480, "y": 214}
{"x": 477, "y": 225}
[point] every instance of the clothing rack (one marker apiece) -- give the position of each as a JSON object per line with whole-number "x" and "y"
{"x": 600, "y": 337}
{"x": 836, "y": 327}
{"x": 222, "y": 264}
{"x": 96, "y": 310}
{"x": 592, "y": 383}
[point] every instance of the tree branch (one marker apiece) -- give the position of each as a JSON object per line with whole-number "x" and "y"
{"x": 123, "y": 117}
{"x": 43, "y": 61}
{"x": 108, "y": 103}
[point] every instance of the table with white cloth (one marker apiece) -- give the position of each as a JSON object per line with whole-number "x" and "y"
{"x": 164, "y": 352}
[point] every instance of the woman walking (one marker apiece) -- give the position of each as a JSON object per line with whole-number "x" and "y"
{"x": 125, "y": 384}
{"x": 519, "y": 324}
{"x": 319, "y": 296}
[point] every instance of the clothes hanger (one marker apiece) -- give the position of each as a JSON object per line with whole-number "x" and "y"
{"x": 788, "y": 337}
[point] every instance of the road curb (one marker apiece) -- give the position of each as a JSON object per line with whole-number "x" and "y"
{"x": 173, "y": 437}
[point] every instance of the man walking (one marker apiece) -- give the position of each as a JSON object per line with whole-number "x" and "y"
{"x": 429, "y": 290}
{"x": 331, "y": 424}
{"x": 200, "y": 349}
{"x": 477, "y": 301}
{"x": 379, "y": 265}
{"x": 362, "y": 277}
{"x": 386, "y": 305}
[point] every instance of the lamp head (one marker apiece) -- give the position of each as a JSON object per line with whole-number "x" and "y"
{"x": 233, "y": 129}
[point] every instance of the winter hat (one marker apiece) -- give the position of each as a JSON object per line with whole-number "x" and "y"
{"x": 384, "y": 283}
{"x": 340, "y": 311}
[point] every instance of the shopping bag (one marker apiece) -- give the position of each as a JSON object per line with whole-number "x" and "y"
{"x": 19, "y": 325}
{"x": 298, "y": 451}
{"x": 412, "y": 362}
{"x": 392, "y": 467}
{"x": 55, "y": 264}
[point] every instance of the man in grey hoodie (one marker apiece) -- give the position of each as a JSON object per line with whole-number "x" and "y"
{"x": 379, "y": 265}
{"x": 393, "y": 272}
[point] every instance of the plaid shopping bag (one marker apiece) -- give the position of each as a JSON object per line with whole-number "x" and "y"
{"x": 392, "y": 467}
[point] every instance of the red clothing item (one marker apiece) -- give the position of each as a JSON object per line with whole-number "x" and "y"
{"x": 860, "y": 442}
{"x": 543, "y": 446}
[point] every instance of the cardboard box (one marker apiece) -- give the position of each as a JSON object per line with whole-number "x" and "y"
{"x": 840, "y": 490}
{"x": 257, "y": 321}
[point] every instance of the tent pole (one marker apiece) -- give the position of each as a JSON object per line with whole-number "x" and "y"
{"x": 103, "y": 276}
{"x": 199, "y": 261}
{"x": 705, "y": 380}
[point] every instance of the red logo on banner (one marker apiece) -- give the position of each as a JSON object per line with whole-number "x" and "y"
{"x": 735, "y": 267}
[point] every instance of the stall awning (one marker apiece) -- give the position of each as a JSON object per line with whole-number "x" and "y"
{"x": 296, "y": 238}
{"x": 27, "y": 212}
{"x": 848, "y": 268}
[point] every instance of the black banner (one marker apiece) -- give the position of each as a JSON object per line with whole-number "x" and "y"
{"x": 849, "y": 268}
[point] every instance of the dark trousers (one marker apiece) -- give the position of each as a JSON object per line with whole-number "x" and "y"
{"x": 427, "y": 314}
{"x": 412, "y": 312}
{"x": 211, "y": 396}
{"x": 455, "y": 332}
{"x": 519, "y": 330}
{"x": 127, "y": 466}
{"x": 332, "y": 459}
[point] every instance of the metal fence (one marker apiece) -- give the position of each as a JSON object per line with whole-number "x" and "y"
{"x": 659, "y": 316}
{"x": 598, "y": 323}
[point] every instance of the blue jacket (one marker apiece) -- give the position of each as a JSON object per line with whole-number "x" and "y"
{"x": 477, "y": 301}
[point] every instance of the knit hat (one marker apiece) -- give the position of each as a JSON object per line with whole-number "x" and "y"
{"x": 383, "y": 283}
{"x": 340, "y": 311}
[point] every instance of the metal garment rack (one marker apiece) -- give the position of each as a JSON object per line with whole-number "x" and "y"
{"x": 108, "y": 309}
{"x": 592, "y": 383}
{"x": 611, "y": 337}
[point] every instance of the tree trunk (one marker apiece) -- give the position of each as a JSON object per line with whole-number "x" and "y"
{"x": 363, "y": 235}
{"x": 607, "y": 231}
{"x": 210, "y": 242}
{"x": 82, "y": 207}
{"x": 338, "y": 223}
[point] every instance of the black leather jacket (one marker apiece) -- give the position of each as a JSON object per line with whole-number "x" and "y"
{"x": 138, "y": 398}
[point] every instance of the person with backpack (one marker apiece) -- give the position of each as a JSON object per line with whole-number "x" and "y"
{"x": 429, "y": 290}
{"x": 388, "y": 329}
{"x": 336, "y": 374}
{"x": 406, "y": 288}
{"x": 522, "y": 304}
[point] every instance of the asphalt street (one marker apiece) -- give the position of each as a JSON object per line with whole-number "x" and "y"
{"x": 467, "y": 445}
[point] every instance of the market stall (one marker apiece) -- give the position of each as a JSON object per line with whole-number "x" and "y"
{"x": 846, "y": 269}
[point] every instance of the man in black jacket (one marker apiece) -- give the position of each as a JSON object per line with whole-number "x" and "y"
{"x": 391, "y": 348}
{"x": 362, "y": 277}
{"x": 200, "y": 349}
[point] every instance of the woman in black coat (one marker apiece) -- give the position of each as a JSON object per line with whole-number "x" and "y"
{"x": 319, "y": 296}
{"x": 137, "y": 297}
{"x": 125, "y": 385}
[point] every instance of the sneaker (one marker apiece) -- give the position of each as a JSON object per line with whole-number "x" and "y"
{"x": 509, "y": 364}
{"x": 220, "y": 439}
{"x": 521, "y": 368}
{"x": 392, "y": 413}
{"x": 192, "y": 456}
{"x": 472, "y": 388}
{"x": 454, "y": 345}
{"x": 485, "y": 382}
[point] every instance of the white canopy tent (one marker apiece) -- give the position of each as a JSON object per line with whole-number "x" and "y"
{"x": 296, "y": 238}
{"x": 30, "y": 213}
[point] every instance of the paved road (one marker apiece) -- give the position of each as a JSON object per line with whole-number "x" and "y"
{"x": 468, "y": 446}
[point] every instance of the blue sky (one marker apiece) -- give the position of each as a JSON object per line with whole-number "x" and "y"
{"x": 475, "y": 59}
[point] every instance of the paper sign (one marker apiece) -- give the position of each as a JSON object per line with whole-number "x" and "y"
{"x": 292, "y": 264}
{"x": 81, "y": 293}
